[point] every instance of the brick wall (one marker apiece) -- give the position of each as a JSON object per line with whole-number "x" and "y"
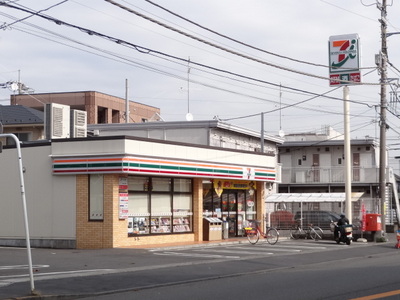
{"x": 113, "y": 232}
{"x": 88, "y": 234}
{"x": 198, "y": 209}
{"x": 260, "y": 202}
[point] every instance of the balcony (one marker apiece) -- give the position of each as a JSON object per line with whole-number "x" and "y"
{"x": 326, "y": 175}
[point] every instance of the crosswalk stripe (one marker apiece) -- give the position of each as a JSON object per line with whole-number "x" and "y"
{"x": 303, "y": 247}
{"x": 275, "y": 248}
{"x": 232, "y": 251}
{"x": 196, "y": 255}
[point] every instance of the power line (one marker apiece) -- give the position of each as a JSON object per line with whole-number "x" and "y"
{"x": 33, "y": 14}
{"x": 143, "y": 66}
{"x": 146, "y": 50}
{"x": 226, "y": 49}
{"x": 280, "y": 108}
{"x": 234, "y": 40}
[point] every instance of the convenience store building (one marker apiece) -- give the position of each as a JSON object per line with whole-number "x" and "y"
{"x": 108, "y": 191}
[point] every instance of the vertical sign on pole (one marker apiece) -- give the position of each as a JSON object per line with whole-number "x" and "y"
{"x": 344, "y": 70}
{"x": 344, "y": 60}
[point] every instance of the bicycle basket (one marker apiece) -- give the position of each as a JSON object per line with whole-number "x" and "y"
{"x": 250, "y": 230}
{"x": 253, "y": 223}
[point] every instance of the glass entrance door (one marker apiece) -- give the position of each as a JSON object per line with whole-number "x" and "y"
{"x": 229, "y": 211}
{"x": 234, "y": 206}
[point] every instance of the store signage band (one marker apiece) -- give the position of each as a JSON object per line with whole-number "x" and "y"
{"x": 153, "y": 166}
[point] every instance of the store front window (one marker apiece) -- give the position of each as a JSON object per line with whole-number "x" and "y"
{"x": 159, "y": 205}
{"x": 233, "y": 203}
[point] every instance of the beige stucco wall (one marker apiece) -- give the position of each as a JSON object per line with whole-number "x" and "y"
{"x": 50, "y": 199}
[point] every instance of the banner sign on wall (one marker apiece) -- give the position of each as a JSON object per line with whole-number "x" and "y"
{"x": 220, "y": 185}
{"x": 123, "y": 198}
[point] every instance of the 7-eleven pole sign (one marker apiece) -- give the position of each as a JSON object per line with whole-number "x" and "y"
{"x": 344, "y": 60}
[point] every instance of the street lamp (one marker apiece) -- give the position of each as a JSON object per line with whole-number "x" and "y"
{"x": 391, "y": 33}
{"x": 21, "y": 177}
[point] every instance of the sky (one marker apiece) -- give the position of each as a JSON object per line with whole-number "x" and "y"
{"x": 226, "y": 59}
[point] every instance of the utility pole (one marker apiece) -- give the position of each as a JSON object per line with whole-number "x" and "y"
{"x": 383, "y": 125}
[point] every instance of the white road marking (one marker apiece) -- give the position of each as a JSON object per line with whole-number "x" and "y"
{"x": 10, "y": 279}
{"x": 303, "y": 247}
{"x": 234, "y": 251}
{"x": 196, "y": 255}
{"x": 273, "y": 248}
{"x": 22, "y": 267}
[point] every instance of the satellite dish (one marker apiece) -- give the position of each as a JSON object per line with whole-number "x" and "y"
{"x": 281, "y": 133}
{"x": 189, "y": 117}
{"x": 14, "y": 86}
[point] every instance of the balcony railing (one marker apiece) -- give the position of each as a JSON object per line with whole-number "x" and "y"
{"x": 328, "y": 175}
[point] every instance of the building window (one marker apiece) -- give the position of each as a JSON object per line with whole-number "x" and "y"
{"x": 159, "y": 205}
{"x": 96, "y": 197}
{"x": 299, "y": 162}
{"x": 339, "y": 161}
{"x": 22, "y": 136}
{"x": 115, "y": 116}
{"x": 102, "y": 115}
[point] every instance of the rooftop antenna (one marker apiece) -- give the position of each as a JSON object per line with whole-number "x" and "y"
{"x": 127, "y": 114}
{"x": 189, "y": 116}
{"x": 281, "y": 132}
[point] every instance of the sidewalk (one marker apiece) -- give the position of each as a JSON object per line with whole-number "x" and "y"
{"x": 391, "y": 237}
{"x": 237, "y": 240}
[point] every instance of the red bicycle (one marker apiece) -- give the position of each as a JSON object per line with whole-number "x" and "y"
{"x": 254, "y": 231}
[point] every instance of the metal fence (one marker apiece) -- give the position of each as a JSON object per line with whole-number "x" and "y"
{"x": 285, "y": 215}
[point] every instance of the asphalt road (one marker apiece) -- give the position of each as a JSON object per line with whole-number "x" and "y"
{"x": 288, "y": 270}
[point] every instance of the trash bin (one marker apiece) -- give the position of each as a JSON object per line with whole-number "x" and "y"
{"x": 225, "y": 230}
{"x": 373, "y": 222}
{"x": 212, "y": 229}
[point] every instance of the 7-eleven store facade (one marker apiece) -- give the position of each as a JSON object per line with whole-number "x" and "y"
{"x": 124, "y": 192}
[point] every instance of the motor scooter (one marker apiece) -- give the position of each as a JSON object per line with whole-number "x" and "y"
{"x": 345, "y": 235}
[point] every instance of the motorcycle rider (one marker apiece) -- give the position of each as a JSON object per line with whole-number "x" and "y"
{"x": 342, "y": 221}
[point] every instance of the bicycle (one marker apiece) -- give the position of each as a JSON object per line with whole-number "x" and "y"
{"x": 314, "y": 232}
{"x": 253, "y": 234}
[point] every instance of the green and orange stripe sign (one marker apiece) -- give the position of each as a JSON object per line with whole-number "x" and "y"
{"x": 154, "y": 166}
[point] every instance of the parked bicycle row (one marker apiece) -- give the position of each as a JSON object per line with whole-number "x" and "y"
{"x": 341, "y": 229}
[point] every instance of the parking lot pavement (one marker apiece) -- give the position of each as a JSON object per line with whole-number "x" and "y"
{"x": 61, "y": 271}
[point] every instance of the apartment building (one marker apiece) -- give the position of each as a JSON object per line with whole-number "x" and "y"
{"x": 101, "y": 108}
{"x": 313, "y": 168}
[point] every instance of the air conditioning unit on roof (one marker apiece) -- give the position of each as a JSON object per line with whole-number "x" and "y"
{"x": 57, "y": 121}
{"x": 78, "y": 123}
